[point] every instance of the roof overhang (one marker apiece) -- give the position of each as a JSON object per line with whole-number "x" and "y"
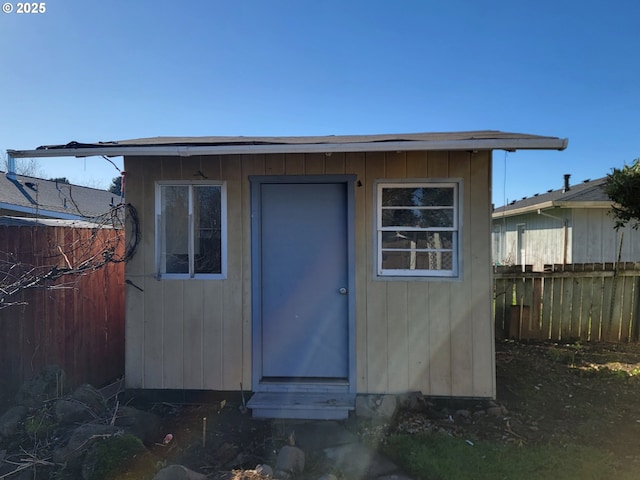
{"x": 545, "y": 206}
{"x": 193, "y": 146}
{"x": 39, "y": 211}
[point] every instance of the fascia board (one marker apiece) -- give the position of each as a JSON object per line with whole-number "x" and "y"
{"x": 550, "y": 205}
{"x": 188, "y": 151}
{"x": 523, "y": 210}
{"x": 591, "y": 204}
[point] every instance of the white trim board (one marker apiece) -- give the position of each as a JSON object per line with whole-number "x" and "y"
{"x": 391, "y": 146}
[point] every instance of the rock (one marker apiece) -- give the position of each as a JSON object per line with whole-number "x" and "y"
{"x": 144, "y": 425}
{"x": 376, "y": 406}
{"x": 328, "y": 476}
{"x": 11, "y": 419}
{"x": 395, "y": 476}
{"x": 357, "y": 461}
{"x": 110, "y": 456}
{"x": 496, "y": 411}
{"x": 413, "y": 401}
{"x": 178, "y": 472}
{"x": 264, "y": 470}
{"x": 463, "y": 413}
{"x": 69, "y": 412}
{"x": 46, "y": 385}
{"x": 226, "y": 453}
{"x": 92, "y": 398}
{"x": 81, "y": 441}
{"x": 290, "y": 460}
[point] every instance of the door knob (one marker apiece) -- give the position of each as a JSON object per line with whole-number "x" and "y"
{"x": 343, "y": 291}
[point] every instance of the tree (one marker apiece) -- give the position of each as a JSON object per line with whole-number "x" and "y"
{"x": 623, "y": 187}
{"x": 29, "y": 167}
{"x": 116, "y": 185}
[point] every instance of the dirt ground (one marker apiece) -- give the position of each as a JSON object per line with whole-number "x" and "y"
{"x": 548, "y": 393}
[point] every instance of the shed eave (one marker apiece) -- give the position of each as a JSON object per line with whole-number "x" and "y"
{"x": 543, "y": 143}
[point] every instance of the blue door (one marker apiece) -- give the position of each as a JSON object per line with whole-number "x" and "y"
{"x": 303, "y": 297}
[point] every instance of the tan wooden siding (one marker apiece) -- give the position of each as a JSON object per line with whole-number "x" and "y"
{"x": 434, "y": 336}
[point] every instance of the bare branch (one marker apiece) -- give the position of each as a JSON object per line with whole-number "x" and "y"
{"x": 79, "y": 257}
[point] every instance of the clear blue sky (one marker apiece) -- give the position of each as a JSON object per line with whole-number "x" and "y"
{"x": 110, "y": 70}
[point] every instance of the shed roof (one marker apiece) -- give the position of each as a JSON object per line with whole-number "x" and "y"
{"x": 48, "y": 198}
{"x": 588, "y": 194}
{"x": 187, "y": 146}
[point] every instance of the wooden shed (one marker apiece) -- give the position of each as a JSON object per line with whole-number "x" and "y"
{"x": 312, "y": 269}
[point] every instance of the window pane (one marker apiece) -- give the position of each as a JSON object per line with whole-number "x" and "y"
{"x": 175, "y": 228}
{"x": 417, "y": 197}
{"x": 417, "y": 240}
{"x": 417, "y": 260}
{"x": 208, "y": 229}
{"x": 432, "y": 218}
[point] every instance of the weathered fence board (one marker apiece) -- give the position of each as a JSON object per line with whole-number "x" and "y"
{"x": 589, "y": 302}
{"x": 76, "y": 321}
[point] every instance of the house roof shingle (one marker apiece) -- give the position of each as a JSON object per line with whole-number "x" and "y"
{"x": 48, "y": 198}
{"x": 589, "y": 193}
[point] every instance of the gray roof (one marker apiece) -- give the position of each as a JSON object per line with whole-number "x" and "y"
{"x": 309, "y": 140}
{"x": 588, "y": 194}
{"x": 31, "y": 196}
{"x": 186, "y": 146}
{"x": 48, "y": 222}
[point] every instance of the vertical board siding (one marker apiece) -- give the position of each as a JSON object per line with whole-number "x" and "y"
{"x": 213, "y": 336}
{"x": 432, "y": 336}
{"x": 397, "y": 306}
{"x": 376, "y": 346}
{"x": 75, "y": 321}
{"x": 235, "y": 327}
{"x": 294, "y": 164}
{"x": 355, "y": 164}
{"x": 591, "y": 238}
{"x": 439, "y": 313}
{"x": 464, "y": 322}
{"x": 418, "y": 298}
{"x": 588, "y": 302}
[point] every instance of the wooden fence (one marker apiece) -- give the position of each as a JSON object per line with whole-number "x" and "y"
{"x": 76, "y": 321}
{"x": 587, "y": 302}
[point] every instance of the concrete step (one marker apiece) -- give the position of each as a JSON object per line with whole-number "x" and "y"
{"x": 308, "y": 406}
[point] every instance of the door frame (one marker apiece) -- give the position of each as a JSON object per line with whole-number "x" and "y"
{"x": 256, "y": 183}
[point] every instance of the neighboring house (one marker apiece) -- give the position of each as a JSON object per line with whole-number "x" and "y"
{"x": 22, "y": 196}
{"x": 569, "y": 225}
{"x": 311, "y": 269}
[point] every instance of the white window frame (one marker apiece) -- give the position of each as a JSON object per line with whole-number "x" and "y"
{"x": 456, "y": 185}
{"x": 191, "y": 234}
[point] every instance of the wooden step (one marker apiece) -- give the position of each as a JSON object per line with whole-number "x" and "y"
{"x": 307, "y": 406}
